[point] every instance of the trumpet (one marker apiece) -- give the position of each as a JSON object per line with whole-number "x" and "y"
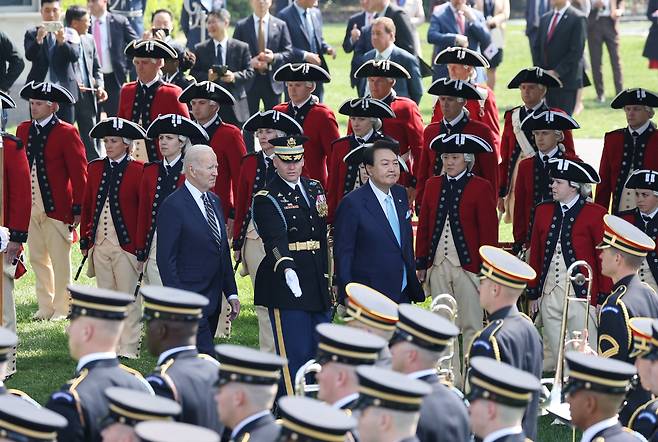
{"x": 446, "y": 306}
{"x": 301, "y": 387}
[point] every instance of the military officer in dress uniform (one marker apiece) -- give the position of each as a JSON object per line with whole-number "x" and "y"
{"x": 628, "y": 149}
{"x": 565, "y": 230}
{"x": 160, "y": 178}
{"x": 141, "y": 101}
{"x": 510, "y": 336}
{"x": 645, "y": 184}
{"x": 498, "y": 398}
{"x": 595, "y": 390}
{"x": 108, "y": 228}
{"x": 518, "y": 143}
{"x": 182, "y": 373}
{"x": 649, "y": 380}
{"x": 455, "y": 220}
{"x": 418, "y": 342}
{"x": 317, "y": 119}
{"x": 96, "y": 321}
{"x": 22, "y": 420}
{"x": 58, "y": 171}
{"x": 256, "y": 170}
{"x": 532, "y": 184}
{"x": 163, "y": 431}
{"x": 389, "y": 404}
{"x": 292, "y": 281}
{"x": 247, "y": 386}
{"x": 309, "y": 420}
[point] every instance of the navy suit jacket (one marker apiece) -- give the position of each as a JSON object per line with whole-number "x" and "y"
{"x": 412, "y": 88}
{"x": 121, "y": 33}
{"x": 301, "y": 41}
{"x": 358, "y": 19}
{"x": 188, "y": 257}
{"x": 365, "y": 247}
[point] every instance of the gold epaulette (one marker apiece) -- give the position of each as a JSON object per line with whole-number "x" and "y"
{"x": 262, "y": 193}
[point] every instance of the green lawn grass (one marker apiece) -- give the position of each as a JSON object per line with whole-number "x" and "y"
{"x": 44, "y": 364}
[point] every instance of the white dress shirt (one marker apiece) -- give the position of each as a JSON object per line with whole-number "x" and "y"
{"x": 165, "y": 354}
{"x": 94, "y": 357}
{"x": 345, "y": 400}
{"x": 173, "y": 162}
{"x": 381, "y": 197}
{"x": 223, "y": 43}
{"x": 455, "y": 120}
{"x": 640, "y": 130}
{"x": 45, "y": 121}
{"x": 106, "y": 66}
{"x": 150, "y": 83}
{"x": 570, "y": 204}
{"x": 266, "y": 23}
{"x": 385, "y": 54}
{"x": 560, "y": 14}
{"x": 589, "y": 434}
{"x": 210, "y": 122}
{"x": 246, "y": 421}
{"x": 422, "y": 373}
{"x": 499, "y": 434}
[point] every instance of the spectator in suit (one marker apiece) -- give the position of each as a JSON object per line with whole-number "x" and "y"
{"x": 11, "y": 66}
{"x": 221, "y": 53}
{"x": 496, "y": 14}
{"x": 175, "y": 70}
{"x": 355, "y": 26}
{"x": 52, "y": 56}
{"x": 603, "y": 27}
{"x": 112, "y": 33}
{"x": 162, "y": 26}
{"x": 405, "y": 30}
{"x": 191, "y": 19}
{"x": 90, "y": 80}
{"x": 560, "y": 46}
{"x": 534, "y": 10}
{"x": 416, "y": 13}
{"x": 383, "y": 37}
{"x": 304, "y": 22}
{"x": 651, "y": 45}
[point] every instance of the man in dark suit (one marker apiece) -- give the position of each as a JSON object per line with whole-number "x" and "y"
{"x": 534, "y": 10}
{"x": 353, "y": 31}
{"x": 194, "y": 254}
{"x": 11, "y": 66}
{"x": 269, "y": 42}
{"x": 225, "y": 61}
{"x": 308, "y": 46}
{"x": 112, "y": 33}
{"x": 373, "y": 241}
{"x": 405, "y": 30}
{"x": 560, "y": 47}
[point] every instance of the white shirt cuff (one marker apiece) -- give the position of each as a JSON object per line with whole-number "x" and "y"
{"x": 232, "y": 297}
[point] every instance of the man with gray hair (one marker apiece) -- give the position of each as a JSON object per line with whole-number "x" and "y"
{"x": 195, "y": 255}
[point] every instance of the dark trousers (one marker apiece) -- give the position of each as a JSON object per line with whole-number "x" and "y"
{"x": 533, "y": 35}
{"x": 113, "y": 89}
{"x": 600, "y": 31}
{"x": 66, "y": 113}
{"x": 206, "y": 332}
{"x": 85, "y": 116}
{"x": 561, "y": 98}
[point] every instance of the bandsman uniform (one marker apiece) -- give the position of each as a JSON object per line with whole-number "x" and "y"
{"x": 518, "y": 143}
{"x": 24, "y": 421}
{"x": 309, "y": 420}
{"x": 532, "y": 184}
{"x": 225, "y": 140}
{"x": 182, "y": 374}
{"x": 292, "y": 280}
{"x": 82, "y": 400}
{"x": 157, "y": 431}
{"x": 256, "y": 170}
{"x": 647, "y": 222}
{"x": 644, "y": 419}
{"x": 142, "y": 103}
{"x": 160, "y": 178}
{"x": 455, "y": 220}
{"x": 502, "y": 384}
{"x": 317, "y": 119}
{"x": 58, "y": 175}
{"x": 130, "y": 407}
{"x": 510, "y": 336}
{"x": 626, "y": 150}
{"x": 423, "y": 329}
{"x": 486, "y": 165}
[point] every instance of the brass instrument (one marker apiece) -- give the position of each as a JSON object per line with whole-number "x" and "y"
{"x": 446, "y": 306}
{"x": 301, "y": 387}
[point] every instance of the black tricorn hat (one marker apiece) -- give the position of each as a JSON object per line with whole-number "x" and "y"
{"x": 459, "y": 55}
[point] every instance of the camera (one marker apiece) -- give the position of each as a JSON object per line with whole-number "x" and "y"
{"x": 220, "y": 69}
{"x": 52, "y": 26}
{"x": 165, "y": 30}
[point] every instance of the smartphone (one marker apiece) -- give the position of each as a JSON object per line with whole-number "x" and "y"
{"x": 220, "y": 69}
{"x": 52, "y": 26}
{"x": 154, "y": 30}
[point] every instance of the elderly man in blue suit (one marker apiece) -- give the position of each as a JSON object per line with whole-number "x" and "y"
{"x": 383, "y": 41}
{"x": 457, "y": 24}
{"x": 373, "y": 240}
{"x": 193, "y": 252}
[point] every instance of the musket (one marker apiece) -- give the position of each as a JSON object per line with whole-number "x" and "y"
{"x": 82, "y": 264}
{"x": 139, "y": 284}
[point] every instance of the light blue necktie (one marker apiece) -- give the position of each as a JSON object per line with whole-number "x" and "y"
{"x": 395, "y": 225}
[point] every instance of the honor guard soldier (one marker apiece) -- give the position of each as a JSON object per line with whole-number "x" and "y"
{"x": 340, "y": 350}
{"x": 455, "y": 220}
{"x": 510, "y": 336}
{"x": 389, "y": 404}
{"x": 564, "y": 231}
{"x": 133, "y": 10}
{"x": 346, "y": 163}
{"x": 96, "y": 321}
{"x": 141, "y": 101}
{"x": 292, "y": 281}
{"x": 518, "y": 143}
{"x": 130, "y": 407}
{"x": 624, "y": 248}
{"x": 182, "y": 373}
{"x": 419, "y": 340}
{"x": 108, "y": 229}
{"x": 22, "y": 421}
{"x": 16, "y": 210}
{"x": 161, "y": 177}
{"x": 595, "y": 390}
{"x": 453, "y": 95}
{"x": 257, "y": 169}
{"x": 317, "y": 119}
{"x": 532, "y": 183}
{"x": 158, "y": 431}
{"x": 309, "y": 420}
{"x": 628, "y": 149}
{"x": 645, "y": 184}
{"x": 498, "y": 398}
{"x": 58, "y": 171}
{"x": 226, "y": 140}
{"x": 648, "y": 370}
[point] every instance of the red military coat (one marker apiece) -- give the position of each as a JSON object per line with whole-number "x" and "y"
{"x": 486, "y": 165}
{"x": 617, "y": 156}
{"x": 321, "y": 127}
{"x": 124, "y": 215}
{"x": 228, "y": 144}
{"x": 252, "y": 179}
{"x": 477, "y": 216}
{"x": 17, "y": 189}
{"x": 579, "y": 240}
{"x": 65, "y": 169}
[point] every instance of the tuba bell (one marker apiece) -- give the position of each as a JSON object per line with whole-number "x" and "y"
{"x": 446, "y": 306}
{"x": 301, "y": 387}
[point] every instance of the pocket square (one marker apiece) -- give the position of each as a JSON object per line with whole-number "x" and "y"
{"x": 408, "y": 214}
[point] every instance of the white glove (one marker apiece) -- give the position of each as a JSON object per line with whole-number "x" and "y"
{"x": 293, "y": 282}
{"x": 4, "y": 238}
